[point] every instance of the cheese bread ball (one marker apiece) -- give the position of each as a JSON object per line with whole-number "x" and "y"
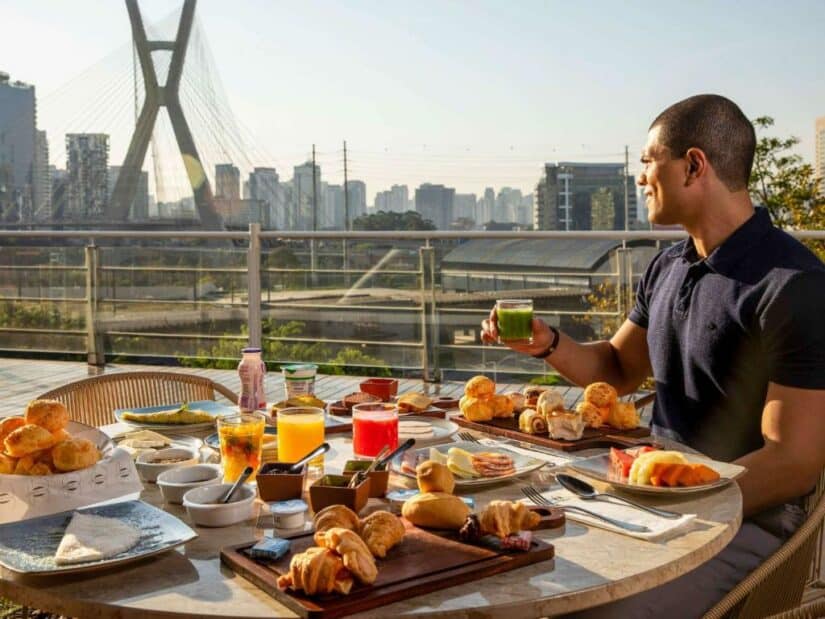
{"x": 24, "y": 465}
{"x": 7, "y": 464}
{"x": 590, "y": 413}
{"x": 40, "y": 468}
{"x": 28, "y": 439}
{"x": 477, "y": 409}
{"x": 480, "y": 387}
{"x": 623, "y": 416}
{"x": 49, "y": 414}
{"x": 600, "y": 394}
{"x": 75, "y": 454}
{"x": 502, "y": 406}
{"x": 9, "y": 425}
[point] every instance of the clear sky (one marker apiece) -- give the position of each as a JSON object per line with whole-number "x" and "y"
{"x": 469, "y": 93}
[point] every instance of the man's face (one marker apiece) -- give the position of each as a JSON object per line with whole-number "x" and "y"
{"x": 663, "y": 180}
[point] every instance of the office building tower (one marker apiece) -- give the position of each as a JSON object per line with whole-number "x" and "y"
{"x": 602, "y": 209}
{"x": 334, "y": 208}
{"x": 464, "y": 206}
{"x": 301, "y": 217}
{"x": 820, "y": 151}
{"x": 396, "y": 199}
{"x": 486, "y": 206}
{"x": 17, "y": 149}
{"x": 139, "y": 209}
{"x": 41, "y": 178}
{"x": 264, "y": 185}
{"x": 435, "y": 203}
{"x": 227, "y": 182}
{"x": 87, "y": 160}
{"x": 357, "y": 197}
{"x": 564, "y": 192}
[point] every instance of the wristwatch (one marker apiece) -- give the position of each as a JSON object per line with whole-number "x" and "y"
{"x": 552, "y": 347}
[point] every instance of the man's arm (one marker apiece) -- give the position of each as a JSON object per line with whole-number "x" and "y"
{"x": 788, "y": 466}
{"x": 623, "y": 361}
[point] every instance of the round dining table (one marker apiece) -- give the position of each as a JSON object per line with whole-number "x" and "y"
{"x": 592, "y": 565}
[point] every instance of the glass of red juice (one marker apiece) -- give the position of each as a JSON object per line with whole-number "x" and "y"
{"x": 373, "y": 426}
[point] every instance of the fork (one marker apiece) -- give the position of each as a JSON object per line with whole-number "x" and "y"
{"x": 466, "y": 436}
{"x": 539, "y": 499}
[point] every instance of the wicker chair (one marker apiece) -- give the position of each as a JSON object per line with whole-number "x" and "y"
{"x": 777, "y": 585}
{"x": 814, "y": 610}
{"x": 92, "y": 400}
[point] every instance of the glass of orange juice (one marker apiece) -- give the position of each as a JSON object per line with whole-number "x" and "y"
{"x": 300, "y": 430}
{"x": 241, "y": 438}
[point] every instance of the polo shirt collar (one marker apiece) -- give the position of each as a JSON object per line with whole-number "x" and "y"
{"x": 736, "y": 245}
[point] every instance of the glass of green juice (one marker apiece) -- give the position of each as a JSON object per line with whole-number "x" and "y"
{"x": 515, "y": 320}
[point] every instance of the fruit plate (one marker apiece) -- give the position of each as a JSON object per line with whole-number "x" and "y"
{"x": 214, "y": 409}
{"x": 598, "y": 467}
{"x": 523, "y": 464}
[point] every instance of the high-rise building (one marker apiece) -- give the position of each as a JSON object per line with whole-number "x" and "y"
{"x": 139, "y": 210}
{"x": 41, "y": 178}
{"x": 59, "y": 192}
{"x": 17, "y": 149}
{"x": 435, "y": 202}
{"x": 334, "y": 208}
{"x": 820, "y": 150}
{"x": 563, "y": 195}
{"x": 302, "y": 197}
{"x": 464, "y": 206}
{"x": 265, "y": 186}
{"x": 602, "y": 209}
{"x": 227, "y": 182}
{"x": 357, "y": 197}
{"x": 87, "y": 160}
{"x": 486, "y": 206}
{"x": 396, "y": 199}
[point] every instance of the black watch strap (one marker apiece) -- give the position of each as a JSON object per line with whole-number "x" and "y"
{"x": 552, "y": 347}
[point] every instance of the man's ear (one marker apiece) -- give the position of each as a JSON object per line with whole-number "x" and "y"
{"x": 697, "y": 165}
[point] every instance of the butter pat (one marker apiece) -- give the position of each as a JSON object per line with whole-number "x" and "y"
{"x": 269, "y": 549}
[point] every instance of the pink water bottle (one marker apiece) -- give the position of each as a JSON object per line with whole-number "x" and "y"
{"x": 251, "y": 371}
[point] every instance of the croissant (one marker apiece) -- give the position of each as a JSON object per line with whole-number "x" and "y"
{"x": 357, "y": 557}
{"x": 317, "y": 570}
{"x": 381, "y": 531}
{"x": 501, "y": 518}
{"x": 335, "y": 516}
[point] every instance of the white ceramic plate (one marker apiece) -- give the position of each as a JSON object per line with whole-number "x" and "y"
{"x": 598, "y": 467}
{"x": 442, "y": 430}
{"x": 28, "y": 546}
{"x": 215, "y": 409}
{"x": 523, "y": 464}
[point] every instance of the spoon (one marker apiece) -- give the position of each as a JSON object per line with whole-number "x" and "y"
{"x": 400, "y": 449}
{"x": 296, "y": 467}
{"x": 243, "y": 477}
{"x": 586, "y": 491}
{"x": 360, "y": 475}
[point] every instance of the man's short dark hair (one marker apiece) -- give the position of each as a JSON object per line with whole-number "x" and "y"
{"x": 718, "y": 127}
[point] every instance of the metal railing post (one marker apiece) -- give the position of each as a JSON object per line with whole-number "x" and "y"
{"x": 95, "y": 355}
{"x": 425, "y": 337}
{"x": 624, "y": 287}
{"x": 253, "y": 267}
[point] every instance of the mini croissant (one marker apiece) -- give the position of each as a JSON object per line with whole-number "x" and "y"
{"x": 357, "y": 557}
{"x": 501, "y": 518}
{"x": 381, "y": 531}
{"x": 335, "y": 516}
{"x": 317, "y": 571}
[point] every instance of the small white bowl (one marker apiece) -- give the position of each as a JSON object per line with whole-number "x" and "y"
{"x": 174, "y": 483}
{"x": 202, "y": 509}
{"x": 149, "y": 464}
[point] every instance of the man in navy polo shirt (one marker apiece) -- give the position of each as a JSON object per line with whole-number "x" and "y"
{"x": 731, "y": 324}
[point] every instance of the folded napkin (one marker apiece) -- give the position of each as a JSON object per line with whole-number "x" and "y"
{"x": 659, "y": 527}
{"x": 555, "y": 460}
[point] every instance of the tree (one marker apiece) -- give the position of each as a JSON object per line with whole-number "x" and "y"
{"x": 783, "y": 183}
{"x": 387, "y": 220}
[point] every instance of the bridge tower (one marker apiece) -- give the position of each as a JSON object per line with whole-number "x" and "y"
{"x": 158, "y": 96}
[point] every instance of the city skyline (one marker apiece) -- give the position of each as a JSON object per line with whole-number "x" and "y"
{"x": 424, "y": 119}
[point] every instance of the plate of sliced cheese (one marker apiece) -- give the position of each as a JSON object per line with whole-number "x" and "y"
{"x": 72, "y": 542}
{"x": 181, "y": 417}
{"x": 472, "y": 464}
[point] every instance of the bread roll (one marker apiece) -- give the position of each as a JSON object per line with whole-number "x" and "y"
{"x": 7, "y": 464}
{"x": 49, "y": 414}
{"x": 436, "y": 510}
{"x": 9, "y": 425}
{"x": 61, "y": 435}
{"x": 600, "y": 394}
{"x": 40, "y": 468}
{"x": 28, "y": 439}
{"x": 591, "y": 414}
{"x": 479, "y": 387}
{"x": 24, "y": 465}
{"x": 623, "y": 416}
{"x": 476, "y": 409}
{"x": 548, "y": 401}
{"x": 434, "y": 477}
{"x": 502, "y": 406}
{"x": 75, "y": 454}
{"x": 518, "y": 400}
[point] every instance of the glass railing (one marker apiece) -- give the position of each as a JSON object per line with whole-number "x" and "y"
{"x": 377, "y": 303}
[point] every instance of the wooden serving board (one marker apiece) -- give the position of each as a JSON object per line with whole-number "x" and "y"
{"x": 591, "y": 438}
{"x": 421, "y": 563}
{"x": 338, "y": 409}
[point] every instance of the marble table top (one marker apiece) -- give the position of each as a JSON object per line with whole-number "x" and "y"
{"x": 592, "y": 565}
